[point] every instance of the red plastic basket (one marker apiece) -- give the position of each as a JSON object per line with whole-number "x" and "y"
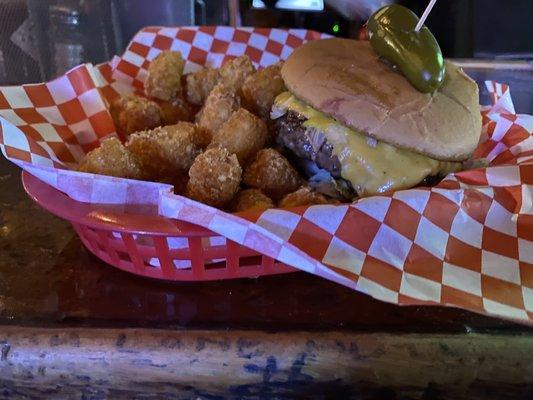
{"x": 140, "y": 244}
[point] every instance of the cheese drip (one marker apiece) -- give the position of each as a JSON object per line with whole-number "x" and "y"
{"x": 370, "y": 165}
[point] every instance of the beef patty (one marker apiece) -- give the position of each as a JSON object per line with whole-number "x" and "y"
{"x": 308, "y": 143}
{"x": 316, "y": 158}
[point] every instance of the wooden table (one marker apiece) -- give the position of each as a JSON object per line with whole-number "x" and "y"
{"x": 73, "y": 327}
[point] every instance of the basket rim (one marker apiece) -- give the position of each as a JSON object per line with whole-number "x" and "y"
{"x": 94, "y": 216}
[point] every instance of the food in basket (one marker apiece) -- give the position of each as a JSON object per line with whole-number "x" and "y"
{"x": 272, "y": 173}
{"x": 214, "y": 177}
{"x": 396, "y": 34}
{"x": 134, "y": 113}
{"x": 243, "y": 134}
{"x": 260, "y": 90}
{"x": 163, "y": 80}
{"x": 218, "y": 107}
{"x": 346, "y": 122}
{"x": 361, "y": 128}
{"x": 234, "y": 72}
{"x": 304, "y": 196}
{"x": 200, "y": 83}
{"x": 252, "y": 199}
{"x": 165, "y": 151}
{"x": 112, "y": 159}
{"x": 203, "y": 160}
{"x": 174, "y": 111}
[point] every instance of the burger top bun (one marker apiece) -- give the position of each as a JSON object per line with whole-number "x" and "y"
{"x": 346, "y": 80}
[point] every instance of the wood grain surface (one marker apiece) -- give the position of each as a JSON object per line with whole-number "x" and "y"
{"x": 140, "y": 363}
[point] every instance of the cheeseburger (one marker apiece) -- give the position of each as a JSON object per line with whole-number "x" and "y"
{"x": 358, "y": 127}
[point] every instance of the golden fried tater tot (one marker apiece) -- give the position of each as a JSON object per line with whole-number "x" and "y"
{"x": 252, "y": 199}
{"x": 261, "y": 88}
{"x": 163, "y": 81}
{"x": 272, "y": 173}
{"x": 113, "y": 159}
{"x": 218, "y": 107}
{"x": 303, "y": 197}
{"x": 134, "y": 113}
{"x": 174, "y": 111}
{"x": 166, "y": 151}
{"x": 243, "y": 134}
{"x": 234, "y": 72}
{"x": 200, "y": 83}
{"x": 214, "y": 177}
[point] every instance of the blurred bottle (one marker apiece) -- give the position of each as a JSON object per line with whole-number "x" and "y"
{"x": 134, "y": 15}
{"x": 66, "y": 28}
{"x": 41, "y": 39}
{"x": 16, "y": 65}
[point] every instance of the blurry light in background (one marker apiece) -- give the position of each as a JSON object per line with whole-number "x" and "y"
{"x": 335, "y": 28}
{"x": 296, "y": 5}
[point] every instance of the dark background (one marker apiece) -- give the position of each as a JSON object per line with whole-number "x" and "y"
{"x": 41, "y": 39}
{"x": 481, "y": 28}
{"x": 463, "y": 28}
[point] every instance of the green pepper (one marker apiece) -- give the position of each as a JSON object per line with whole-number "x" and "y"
{"x": 417, "y": 54}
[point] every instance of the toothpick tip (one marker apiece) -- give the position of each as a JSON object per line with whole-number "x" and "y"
{"x": 424, "y": 15}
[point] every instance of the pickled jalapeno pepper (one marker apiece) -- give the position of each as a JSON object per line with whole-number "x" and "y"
{"x": 417, "y": 54}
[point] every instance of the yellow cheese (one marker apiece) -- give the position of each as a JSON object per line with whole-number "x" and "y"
{"x": 371, "y": 166}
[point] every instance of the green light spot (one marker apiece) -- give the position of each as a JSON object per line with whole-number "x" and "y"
{"x": 335, "y": 28}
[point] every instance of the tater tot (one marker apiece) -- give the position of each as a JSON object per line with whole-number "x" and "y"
{"x": 243, "y": 134}
{"x": 251, "y": 199}
{"x": 163, "y": 81}
{"x": 214, "y": 177}
{"x": 303, "y": 197}
{"x": 218, "y": 107}
{"x": 261, "y": 88}
{"x": 200, "y": 83}
{"x": 174, "y": 111}
{"x": 166, "y": 151}
{"x": 272, "y": 173}
{"x": 234, "y": 72}
{"x": 113, "y": 159}
{"x": 134, "y": 113}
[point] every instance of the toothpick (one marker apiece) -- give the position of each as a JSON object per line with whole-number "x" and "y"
{"x": 425, "y": 15}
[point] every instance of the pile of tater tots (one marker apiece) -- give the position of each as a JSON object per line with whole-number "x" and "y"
{"x": 207, "y": 133}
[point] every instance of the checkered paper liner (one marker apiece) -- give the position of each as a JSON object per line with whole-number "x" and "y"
{"x": 465, "y": 242}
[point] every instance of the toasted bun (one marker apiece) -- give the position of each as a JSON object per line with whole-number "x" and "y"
{"x": 346, "y": 80}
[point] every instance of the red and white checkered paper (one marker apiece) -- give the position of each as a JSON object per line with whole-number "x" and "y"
{"x": 466, "y": 242}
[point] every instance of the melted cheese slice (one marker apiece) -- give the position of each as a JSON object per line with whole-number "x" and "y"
{"x": 371, "y": 166}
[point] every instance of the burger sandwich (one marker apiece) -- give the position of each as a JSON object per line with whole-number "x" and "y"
{"x": 358, "y": 127}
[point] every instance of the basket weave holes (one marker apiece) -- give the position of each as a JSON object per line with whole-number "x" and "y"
{"x": 105, "y": 241}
